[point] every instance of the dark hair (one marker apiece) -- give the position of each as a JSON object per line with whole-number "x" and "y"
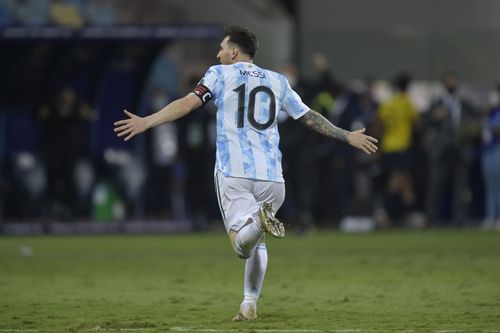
{"x": 402, "y": 81}
{"x": 244, "y": 38}
{"x": 449, "y": 73}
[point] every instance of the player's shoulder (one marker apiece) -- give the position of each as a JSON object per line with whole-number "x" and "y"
{"x": 221, "y": 70}
{"x": 272, "y": 73}
{"x": 217, "y": 69}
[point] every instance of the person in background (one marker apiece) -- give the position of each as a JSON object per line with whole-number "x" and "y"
{"x": 398, "y": 119}
{"x": 491, "y": 164}
{"x": 451, "y": 127}
{"x": 298, "y": 207}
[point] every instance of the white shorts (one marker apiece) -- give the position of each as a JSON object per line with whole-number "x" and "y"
{"x": 240, "y": 198}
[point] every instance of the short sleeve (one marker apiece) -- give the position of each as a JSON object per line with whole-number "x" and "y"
{"x": 292, "y": 103}
{"x": 211, "y": 80}
{"x": 209, "y": 86}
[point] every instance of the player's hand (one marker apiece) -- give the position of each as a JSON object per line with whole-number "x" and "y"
{"x": 361, "y": 141}
{"x": 130, "y": 127}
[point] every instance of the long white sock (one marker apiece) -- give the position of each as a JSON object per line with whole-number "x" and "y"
{"x": 247, "y": 238}
{"x": 255, "y": 270}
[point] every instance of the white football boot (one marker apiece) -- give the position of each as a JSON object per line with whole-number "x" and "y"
{"x": 269, "y": 223}
{"x": 248, "y": 311}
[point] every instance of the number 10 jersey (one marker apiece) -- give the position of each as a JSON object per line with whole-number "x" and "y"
{"x": 248, "y": 99}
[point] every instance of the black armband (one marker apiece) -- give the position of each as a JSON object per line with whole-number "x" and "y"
{"x": 203, "y": 93}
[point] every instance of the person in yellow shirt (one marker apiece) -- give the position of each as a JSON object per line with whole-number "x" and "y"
{"x": 398, "y": 119}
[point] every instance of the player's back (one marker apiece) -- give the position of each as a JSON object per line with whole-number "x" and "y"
{"x": 248, "y": 99}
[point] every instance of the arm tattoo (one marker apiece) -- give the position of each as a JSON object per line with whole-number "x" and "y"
{"x": 320, "y": 124}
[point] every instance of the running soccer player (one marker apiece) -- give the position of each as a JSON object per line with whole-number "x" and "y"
{"x": 248, "y": 176}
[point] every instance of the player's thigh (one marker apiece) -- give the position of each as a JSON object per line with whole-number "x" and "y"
{"x": 270, "y": 192}
{"x": 236, "y": 201}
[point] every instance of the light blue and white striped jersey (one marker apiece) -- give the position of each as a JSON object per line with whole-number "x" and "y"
{"x": 248, "y": 99}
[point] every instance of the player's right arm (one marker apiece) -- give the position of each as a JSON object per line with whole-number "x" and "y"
{"x": 357, "y": 139}
{"x": 293, "y": 104}
{"x": 177, "y": 109}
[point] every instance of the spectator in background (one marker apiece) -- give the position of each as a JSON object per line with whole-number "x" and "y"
{"x": 351, "y": 175}
{"x": 66, "y": 13}
{"x": 29, "y": 12}
{"x": 327, "y": 158}
{"x": 398, "y": 119}
{"x": 451, "y": 127}
{"x": 65, "y": 140}
{"x": 5, "y": 14}
{"x": 196, "y": 150}
{"x": 298, "y": 207}
{"x": 164, "y": 73}
{"x": 491, "y": 164}
{"x": 167, "y": 172}
{"x": 100, "y": 12}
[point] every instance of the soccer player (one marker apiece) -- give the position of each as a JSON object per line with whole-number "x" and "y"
{"x": 248, "y": 177}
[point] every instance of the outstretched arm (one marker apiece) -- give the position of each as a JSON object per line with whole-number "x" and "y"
{"x": 357, "y": 139}
{"x": 134, "y": 124}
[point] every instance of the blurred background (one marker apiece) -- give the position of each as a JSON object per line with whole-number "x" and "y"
{"x": 422, "y": 76}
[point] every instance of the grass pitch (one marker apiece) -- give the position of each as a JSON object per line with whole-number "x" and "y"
{"x": 396, "y": 281}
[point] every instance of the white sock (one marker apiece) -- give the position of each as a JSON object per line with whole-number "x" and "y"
{"x": 247, "y": 238}
{"x": 255, "y": 270}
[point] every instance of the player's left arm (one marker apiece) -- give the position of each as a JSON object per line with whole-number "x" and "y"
{"x": 357, "y": 139}
{"x": 177, "y": 109}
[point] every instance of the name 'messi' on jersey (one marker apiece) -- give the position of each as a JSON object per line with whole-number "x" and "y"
{"x": 258, "y": 74}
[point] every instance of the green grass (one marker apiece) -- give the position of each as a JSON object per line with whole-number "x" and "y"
{"x": 383, "y": 282}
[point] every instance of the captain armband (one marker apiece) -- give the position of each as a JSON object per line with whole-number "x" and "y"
{"x": 203, "y": 93}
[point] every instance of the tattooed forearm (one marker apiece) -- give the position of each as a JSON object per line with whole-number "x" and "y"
{"x": 320, "y": 124}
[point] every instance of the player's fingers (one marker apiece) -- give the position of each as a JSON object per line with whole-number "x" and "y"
{"x": 130, "y": 136}
{"x": 125, "y": 132}
{"x": 371, "y": 146}
{"x": 372, "y": 139}
{"x": 366, "y": 150}
{"x": 120, "y": 122}
{"x": 121, "y": 128}
{"x": 130, "y": 114}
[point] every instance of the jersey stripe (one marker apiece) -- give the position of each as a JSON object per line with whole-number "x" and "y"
{"x": 248, "y": 161}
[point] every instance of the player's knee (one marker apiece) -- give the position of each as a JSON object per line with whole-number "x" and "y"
{"x": 243, "y": 253}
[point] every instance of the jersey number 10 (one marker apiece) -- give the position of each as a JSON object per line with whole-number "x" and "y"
{"x": 251, "y": 106}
